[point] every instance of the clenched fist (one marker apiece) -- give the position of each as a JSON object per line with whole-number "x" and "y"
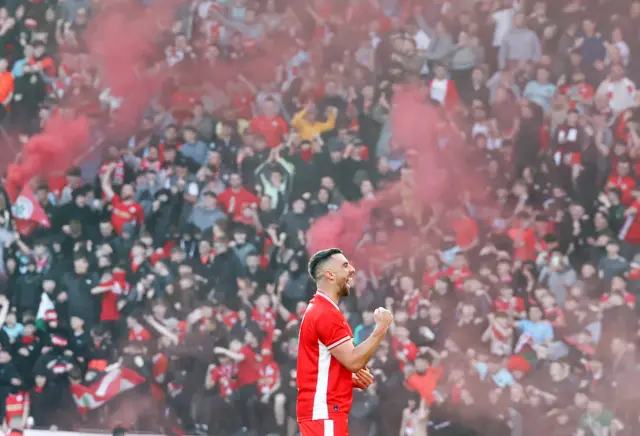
{"x": 383, "y": 318}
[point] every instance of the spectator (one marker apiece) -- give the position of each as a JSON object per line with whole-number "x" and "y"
{"x": 520, "y": 44}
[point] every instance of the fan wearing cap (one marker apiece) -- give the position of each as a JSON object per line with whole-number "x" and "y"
{"x": 56, "y": 338}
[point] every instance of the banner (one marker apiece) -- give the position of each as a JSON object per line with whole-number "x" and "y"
{"x": 108, "y": 387}
{"x": 28, "y": 213}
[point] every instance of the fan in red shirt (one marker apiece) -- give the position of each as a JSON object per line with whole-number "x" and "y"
{"x": 508, "y": 303}
{"x": 270, "y": 125}
{"x": 137, "y": 332}
{"x": 247, "y": 362}
{"x": 235, "y": 199}
{"x": 222, "y": 376}
{"x": 329, "y": 365}
{"x": 112, "y": 287}
{"x": 269, "y": 376}
{"x": 16, "y": 407}
{"x": 403, "y": 348}
{"x": 630, "y": 231}
{"x": 623, "y": 181}
{"x": 125, "y": 210}
{"x": 458, "y": 271}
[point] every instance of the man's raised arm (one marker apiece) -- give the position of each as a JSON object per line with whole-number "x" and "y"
{"x": 355, "y": 358}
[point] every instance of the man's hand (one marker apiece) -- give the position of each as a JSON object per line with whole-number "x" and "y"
{"x": 382, "y": 318}
{"x": 362, "y": 379}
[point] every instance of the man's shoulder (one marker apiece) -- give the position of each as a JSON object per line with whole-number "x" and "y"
{"x": 319, "y": 310}
{"x": 314, "y": 310}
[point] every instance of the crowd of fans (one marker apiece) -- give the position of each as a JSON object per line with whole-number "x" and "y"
{"x": 167, "y": 292}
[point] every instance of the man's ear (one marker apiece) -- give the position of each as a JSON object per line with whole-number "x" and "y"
{"x": 329, "y": 274}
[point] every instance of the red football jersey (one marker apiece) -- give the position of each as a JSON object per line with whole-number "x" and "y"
{"x": 15, "y": 404}
{"x": 125, "y": 212}
{"x": 222, "y": 375}
{"x": 269, "y": 375}
{"x": 325, "y": 387}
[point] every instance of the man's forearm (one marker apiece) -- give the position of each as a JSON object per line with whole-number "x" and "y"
{"x": 363, "y": 352}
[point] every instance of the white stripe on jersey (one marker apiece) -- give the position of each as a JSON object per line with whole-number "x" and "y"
{"x": 320, "y": 407}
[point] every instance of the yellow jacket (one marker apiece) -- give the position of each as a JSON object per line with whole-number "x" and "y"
{"x": 307, "y": 130}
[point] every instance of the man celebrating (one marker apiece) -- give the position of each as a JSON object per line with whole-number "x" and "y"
{"x": 329, "y": 365}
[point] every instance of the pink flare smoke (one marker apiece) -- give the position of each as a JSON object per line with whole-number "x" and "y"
{"x": 342, "y": 229}
{"x": 416, "y": 125}
{"x": 53, "y": 150}
{"x": 121, "y": 42}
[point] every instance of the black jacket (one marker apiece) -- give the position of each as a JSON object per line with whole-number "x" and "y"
{"x": 81, "y": 302}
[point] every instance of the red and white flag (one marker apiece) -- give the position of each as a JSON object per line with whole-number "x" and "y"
{"x": 107, "y": 388}
{"x": 28, "y": 213}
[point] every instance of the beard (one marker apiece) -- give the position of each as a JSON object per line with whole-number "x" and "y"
{"x": 345, "y": 289}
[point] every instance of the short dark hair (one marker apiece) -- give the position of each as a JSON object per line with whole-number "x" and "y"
{"x": 74, "y": 172}
{"x": 319, "y": 258}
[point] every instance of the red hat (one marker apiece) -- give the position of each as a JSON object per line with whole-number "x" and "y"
{"x": 50, "y": 315}
{"x": 59, "y": 341}
{"x": 518, "y": 363}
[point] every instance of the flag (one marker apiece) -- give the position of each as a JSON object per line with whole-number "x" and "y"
{"x": 104, "y": 390}
{"x": 28, "y": 213}
{"x": 524, "y": 340}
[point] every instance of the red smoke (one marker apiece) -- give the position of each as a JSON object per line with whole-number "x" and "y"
{"x": 419, "y": 128}
{"x": 343, "y": 229}
{"x": 122, "y": 41}
{"x": 51, "y": 151}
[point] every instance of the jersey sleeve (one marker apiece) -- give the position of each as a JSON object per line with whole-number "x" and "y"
{"x": 332, "y": 331}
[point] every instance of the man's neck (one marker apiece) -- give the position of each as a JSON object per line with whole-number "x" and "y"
{"x": 331, "y": 294}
